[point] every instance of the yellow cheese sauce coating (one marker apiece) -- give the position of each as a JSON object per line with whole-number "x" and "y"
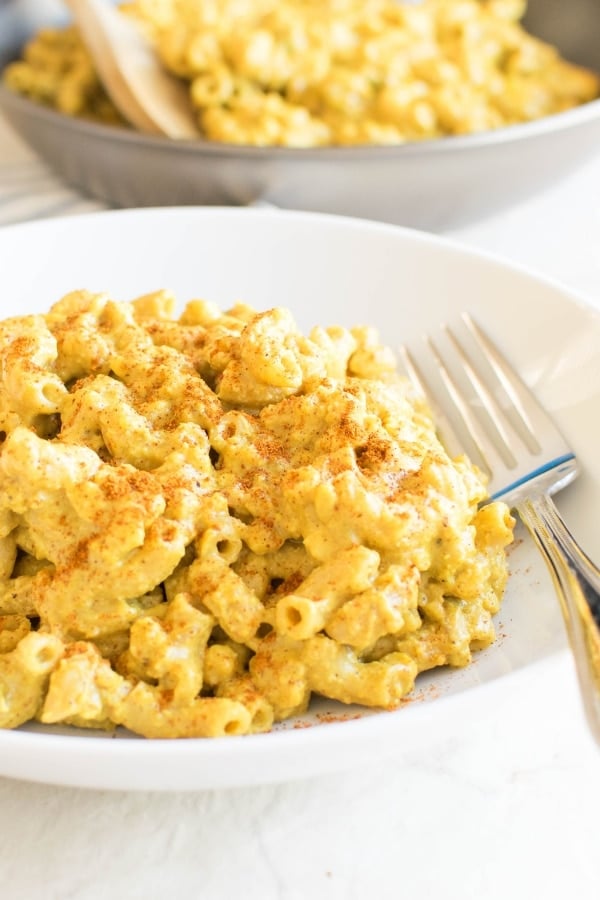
{"x": 207, "y": 518}
{"x": 309, "y": 73}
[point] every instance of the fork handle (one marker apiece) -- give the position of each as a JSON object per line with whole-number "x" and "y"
{"x": 577, "y": 583}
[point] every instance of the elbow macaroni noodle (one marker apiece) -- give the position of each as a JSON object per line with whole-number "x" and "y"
{"x": 205, "y": 519}
{"x": 306, "y": 73}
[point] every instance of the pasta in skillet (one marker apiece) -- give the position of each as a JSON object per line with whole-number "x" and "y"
{"x": 207, "y": 518}
{"x": 309, "y": 73}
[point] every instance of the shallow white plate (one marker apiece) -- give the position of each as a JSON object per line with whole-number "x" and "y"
{"x": 327, "y": 270}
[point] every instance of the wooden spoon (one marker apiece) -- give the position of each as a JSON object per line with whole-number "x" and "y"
{"x": 151, "y": 99}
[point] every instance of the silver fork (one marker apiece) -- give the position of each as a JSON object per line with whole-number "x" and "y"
{"x": 509, "y": 434}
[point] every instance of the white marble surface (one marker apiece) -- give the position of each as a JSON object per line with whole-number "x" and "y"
{"x": 508, "y": 809}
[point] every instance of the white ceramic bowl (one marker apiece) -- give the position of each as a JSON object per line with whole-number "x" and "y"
{"x": 327, "y": 270}
{"x": 432, "y": 184}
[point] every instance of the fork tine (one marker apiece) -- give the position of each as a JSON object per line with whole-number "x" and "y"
{"x": 487, "y": 400}
{"x": 498, "y": 415}
{"x": 488, "y": 453}
{"x": 520, "y": 396}
{"x": 446, "y": 432}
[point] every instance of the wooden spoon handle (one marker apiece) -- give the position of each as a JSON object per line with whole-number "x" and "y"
{"x": 151, "y": 99}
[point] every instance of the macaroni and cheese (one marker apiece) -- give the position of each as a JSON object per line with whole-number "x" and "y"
{"x": 305, "y": 73}
{"x": 207, "y": 518}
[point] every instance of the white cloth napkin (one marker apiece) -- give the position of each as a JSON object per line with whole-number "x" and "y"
{"x": 29, "y": 189}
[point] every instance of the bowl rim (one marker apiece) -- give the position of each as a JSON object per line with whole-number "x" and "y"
{"x": 566, "y": 120}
